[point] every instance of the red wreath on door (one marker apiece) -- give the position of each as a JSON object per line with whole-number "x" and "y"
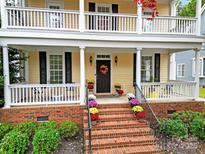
{"x": 103, "y": 69}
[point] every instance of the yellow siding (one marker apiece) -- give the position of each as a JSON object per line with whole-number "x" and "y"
{"x": 163, "y": 9}
{"x": 122, "y": 72}
{"x": 89, "y": 68}
{"x": 164, "y": 63}
{"x": 76, "y": 67}
{"x": 34, "y": 68}
{"x": 123, "y": 6}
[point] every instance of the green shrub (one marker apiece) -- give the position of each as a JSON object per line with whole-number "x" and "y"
{"x": 45, "y": 141}
{"x": 47, "y": 124}
{"x": 68, "y": 129}
{"x": 1, "y": 103}
{"x": 174, "y": 128}
{"x": 186, "y": 116}
{"x": 4, "y": 129}
{"x": 26, "y": 127}
{"x": 14, "y": 142}
{"x": 198, "y": 128}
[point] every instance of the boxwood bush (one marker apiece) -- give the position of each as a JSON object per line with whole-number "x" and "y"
{"x": 26, "y": 127}
{"x": 4, "y": 129}
{"x": 174, "y": 128}
{"x": 45, "y": 141}
{"x": 198, "y": 128}
{"x": 68, "y": 129}
{"x": 14, "y": 142}
{"x": 47, "y": 124}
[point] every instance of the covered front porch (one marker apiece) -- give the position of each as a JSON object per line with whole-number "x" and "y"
{"x": 58, "y": 75}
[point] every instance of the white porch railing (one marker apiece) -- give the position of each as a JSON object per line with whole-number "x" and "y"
{"x": 169, "y": 25}
{"x": 110, "y": 22}
{"x": 19, "y": 17}
{"x": 39, "y": 94}
{"x": 37, "y": 18}
{"x": 172, "y": 90}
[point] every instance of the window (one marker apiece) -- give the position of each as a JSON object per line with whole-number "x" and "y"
{"x": 201, "y": 67}
{"x": 146, "y": 69}
{"x": 103, "y": 21}
{"x": 56, "y": 69}
{"x": 180, "y": 70}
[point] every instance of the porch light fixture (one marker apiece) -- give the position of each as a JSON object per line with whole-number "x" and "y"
{"x": 116, "y": 59}
{"x": 91, "y": 60}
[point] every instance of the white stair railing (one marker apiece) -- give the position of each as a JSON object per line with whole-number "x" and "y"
{"x": 172, "y": 90}
{"x": 39, "y": 94}
{"x": 19, "y": 17}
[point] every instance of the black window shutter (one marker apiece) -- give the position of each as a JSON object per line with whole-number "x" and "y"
{"x": 134, "y": 68}
{"x": 157, "y": 67}
{"x": 68, "y": 67}
{"x": 92, "y": 18}
{"x": 114, "y": 19}
{"x": 43, "y": 67}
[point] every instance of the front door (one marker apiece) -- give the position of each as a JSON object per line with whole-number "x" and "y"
{"x": 103, "y": 76}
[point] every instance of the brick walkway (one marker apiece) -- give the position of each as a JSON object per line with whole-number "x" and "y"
{"x": 118, "y": 132}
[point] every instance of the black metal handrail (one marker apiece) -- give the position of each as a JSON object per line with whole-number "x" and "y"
{"x": 151, "y": 118}
{"x": 89, "y": 124}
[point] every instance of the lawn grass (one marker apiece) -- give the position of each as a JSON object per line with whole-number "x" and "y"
{"x": 202, "y": 92}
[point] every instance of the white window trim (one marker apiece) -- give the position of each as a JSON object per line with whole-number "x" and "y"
{"x": 103, "y": 5}
{"x": 201, "y": 74}
{"x": 178, "y": 65}
{"x": 55, "y": 2}
{"x": 48, "y": 64}
{"x": 153, "y": 62}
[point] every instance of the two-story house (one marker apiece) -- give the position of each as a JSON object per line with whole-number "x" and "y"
{"x": 71, "y": 41}
{"x": 185, "y": 61}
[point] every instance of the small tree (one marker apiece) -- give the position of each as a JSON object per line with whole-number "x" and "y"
{"x": 190, "y": 8}
{"x": 16, "y": 65}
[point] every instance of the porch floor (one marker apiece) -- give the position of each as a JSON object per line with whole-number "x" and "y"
{"x": 111, "y": 99}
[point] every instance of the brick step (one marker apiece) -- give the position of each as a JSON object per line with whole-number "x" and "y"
{"x": 145, "y": 149}
{"x": 112, "y": 111}
{"x": 117, "y": 105}
{"x": 114, "y": 117}
{"x": 112, "y": 133}
{"x": 121, "y": 142}
{"x": 118, "y": 125}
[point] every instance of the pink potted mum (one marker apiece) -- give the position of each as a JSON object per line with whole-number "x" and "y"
{"x": 134, "y": 102}
{"x": 92, "y": 103}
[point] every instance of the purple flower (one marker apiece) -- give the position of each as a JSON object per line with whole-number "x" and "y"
{"x": 134, "y": 102}
{"x": 92, "y": 103}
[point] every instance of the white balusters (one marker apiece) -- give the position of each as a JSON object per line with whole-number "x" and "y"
{"x": 30, "y": 94}
{"x": 19, "y": 17}
{"x": 173, "y": 90}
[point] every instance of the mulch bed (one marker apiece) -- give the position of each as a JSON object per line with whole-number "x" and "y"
{"x": 71, "y": 146}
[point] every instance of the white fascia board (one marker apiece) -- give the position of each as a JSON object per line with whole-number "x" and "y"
{"x": 98, "y": 44}
{"x": 100, "y": 36}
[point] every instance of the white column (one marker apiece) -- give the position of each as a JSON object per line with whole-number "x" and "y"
{"x": 198, "y": 16}
{"x": 3, "y": 14}
{"x": 82, "y": 16}
{"x": 82, "y": 75}
{"x": 172, "y": 67}
{"x": 197, "y": 72}
{"x": 7, "y": 93}
{"x": 173, "y": 8}
{"x": 138, "y": 67}
{"x": 139, "y": 18}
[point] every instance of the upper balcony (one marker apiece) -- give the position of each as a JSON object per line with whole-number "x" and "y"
{"x": 97, "y": 17}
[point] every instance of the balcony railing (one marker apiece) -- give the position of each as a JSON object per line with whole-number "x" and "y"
{"x": 170, "y": 90}
{"x": 35, "y": 18}
{"x": 39, "y": 94}
{"x": 42, "y": 18}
